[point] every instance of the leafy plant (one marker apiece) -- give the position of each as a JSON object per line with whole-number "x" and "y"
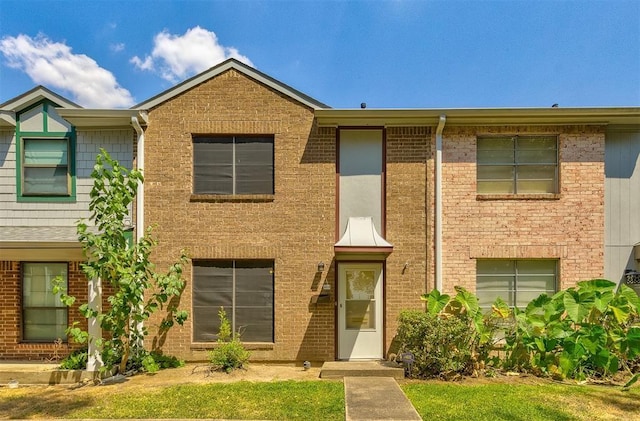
{"x": 452, "y": 337}
{"x": 229, "y": 353}
{"x": 138, "y": 290}
{"x": 77, "y": 360}
{"x": 584, "y": 331}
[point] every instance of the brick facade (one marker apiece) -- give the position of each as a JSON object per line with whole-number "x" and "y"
{"x": 568, "y": 227}
{"x": 295, "y": 227}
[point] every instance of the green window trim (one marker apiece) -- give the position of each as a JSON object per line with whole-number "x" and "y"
{"x": 21, "y": 167}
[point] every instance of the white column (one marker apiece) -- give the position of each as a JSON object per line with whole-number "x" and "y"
{"x": 94, "y": 362}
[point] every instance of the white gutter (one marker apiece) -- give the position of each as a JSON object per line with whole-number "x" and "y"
{"x": 438, "y": 203}
{"x": 140, "y": 193}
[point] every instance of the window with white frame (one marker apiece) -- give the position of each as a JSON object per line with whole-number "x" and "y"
{"x": 46, "y": 167}
{"x": 44, "y": 317}
{"x": 517, "y": 164}
{"x": 231, "y": 165}
{"x": 517, "y": 282}
{"x": 244, "y": 288}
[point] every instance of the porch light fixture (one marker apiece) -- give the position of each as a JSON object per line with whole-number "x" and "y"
{"x": 321, "y": 267}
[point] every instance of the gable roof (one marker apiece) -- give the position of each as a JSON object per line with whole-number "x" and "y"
{"x": 223, "y": 67}
{"x": 36, "y": 95}
{"x": 10, "y": 108}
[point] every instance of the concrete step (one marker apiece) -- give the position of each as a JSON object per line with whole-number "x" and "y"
{"x": 342, "y": 369}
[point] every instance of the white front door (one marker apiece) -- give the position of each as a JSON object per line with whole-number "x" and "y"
{"x": 360, "y": 311}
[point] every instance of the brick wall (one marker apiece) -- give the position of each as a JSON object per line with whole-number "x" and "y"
{"x": 11, "y": 347}
{"x": 569, "y": 228}
{"x": 295, "y": 229}
{"x": 407, "y": 153}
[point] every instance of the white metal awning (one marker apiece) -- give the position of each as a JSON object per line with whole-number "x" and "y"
{"x": 361, "y": 240}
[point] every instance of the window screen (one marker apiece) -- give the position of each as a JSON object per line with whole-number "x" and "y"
{"x": 45, "y": 167}
{"x": 233, "y": 165}
{"x": 44, "y": 317}
{"x": 517, "y": 282}
{"x": 517, "y": 165}
{"x": 244, "y": 288}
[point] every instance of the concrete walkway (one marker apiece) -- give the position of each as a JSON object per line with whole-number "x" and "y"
{"x": 376, "y": 398}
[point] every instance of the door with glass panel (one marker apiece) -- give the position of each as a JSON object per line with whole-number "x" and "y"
{"x": 360, "y": 329}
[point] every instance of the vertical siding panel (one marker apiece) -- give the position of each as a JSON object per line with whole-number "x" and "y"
{"x": 622, "y": 199}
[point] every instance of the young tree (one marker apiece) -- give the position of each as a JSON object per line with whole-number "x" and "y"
{"x": 137, "y": 290}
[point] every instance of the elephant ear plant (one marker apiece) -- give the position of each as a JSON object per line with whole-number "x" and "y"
{"x": 137, "y": 290}
{"x": 590, "y": 330}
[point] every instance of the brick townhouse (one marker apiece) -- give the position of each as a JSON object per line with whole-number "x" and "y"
{"x": 312, "y": 226}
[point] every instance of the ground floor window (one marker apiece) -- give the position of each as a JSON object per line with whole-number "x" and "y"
{"x": 244, "y": 288}
{"x": 517, "y": 282}
{"x": 44, "y": 317}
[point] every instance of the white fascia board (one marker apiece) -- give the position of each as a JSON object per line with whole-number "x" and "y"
{"x": 101, "y": 117}
{"x": 7, "y": 118}
{"x": 478, "y": 116}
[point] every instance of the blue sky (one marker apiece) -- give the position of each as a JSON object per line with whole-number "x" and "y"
{"x": 389, "y": 54}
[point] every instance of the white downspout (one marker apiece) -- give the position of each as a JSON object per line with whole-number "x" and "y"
{"x": 438, "y": 203}
{"x": 140, "y": 193}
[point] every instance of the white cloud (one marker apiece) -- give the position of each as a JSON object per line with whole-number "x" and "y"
{"x": 176, "y": 57}
{"x": 116, "y": 48}
{"x": 53, "y": 64}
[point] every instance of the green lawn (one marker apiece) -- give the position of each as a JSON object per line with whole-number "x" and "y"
{"x": 322, "y": 400}
{"x": 287, "y": 400}
{"x": 503, "y": 401}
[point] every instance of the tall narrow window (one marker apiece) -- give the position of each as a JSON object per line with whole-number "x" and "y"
{"x": 233, "y": 165}
{"x": 44, "y": 317}
{"x": 244, "y": 288}
{"x": 517, "y": 282}
{"x": 517, "y": 165}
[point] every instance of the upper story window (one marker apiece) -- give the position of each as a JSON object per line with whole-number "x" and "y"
{"x": 517, "y": 165}
{"x": 233, "y": 165}
{"x": 46, "y": 167}
{"x": 45, "y": 155}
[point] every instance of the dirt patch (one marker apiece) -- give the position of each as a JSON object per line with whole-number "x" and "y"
{"x": 199, "y": 373}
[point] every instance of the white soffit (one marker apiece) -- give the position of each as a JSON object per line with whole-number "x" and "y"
{"x": 361, "y": 233}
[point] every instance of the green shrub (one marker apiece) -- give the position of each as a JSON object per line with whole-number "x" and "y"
{"x": 441, "y": 346}
{"x": 229, "y": 353}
